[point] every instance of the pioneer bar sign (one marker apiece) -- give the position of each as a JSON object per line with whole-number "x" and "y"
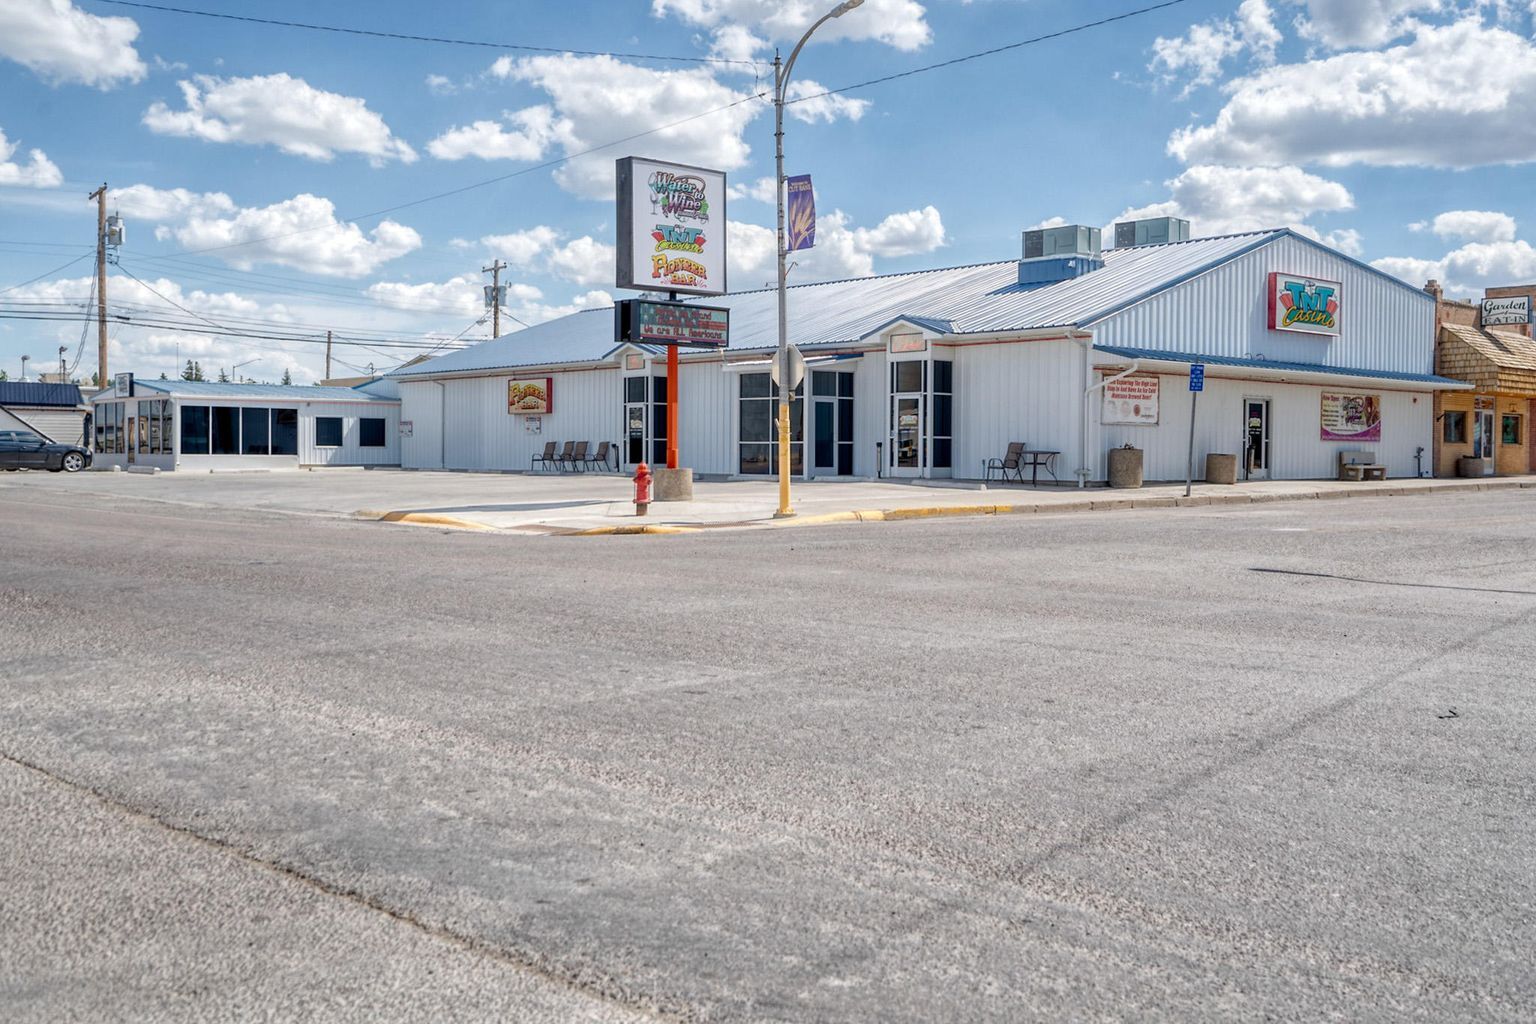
{"x": 643, "y": 322}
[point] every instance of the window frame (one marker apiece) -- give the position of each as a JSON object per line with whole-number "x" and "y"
{"x": 1458, "y": 417}
{"x": 341, "y": 431}
{"x": 363, "y": 425}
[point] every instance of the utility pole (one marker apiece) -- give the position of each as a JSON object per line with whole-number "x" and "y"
{"x": 100, "y": 195}
{"x": 495, "y": 270}
{"x": 327, "y": 355}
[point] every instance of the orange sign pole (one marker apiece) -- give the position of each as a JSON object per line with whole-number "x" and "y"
{"x": 672, "y": 376}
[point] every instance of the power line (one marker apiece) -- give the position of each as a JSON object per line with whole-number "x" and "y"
{"x": 380, "y": 34}
{"x": 988, "y": 53}
{"x": 55, "y": 270}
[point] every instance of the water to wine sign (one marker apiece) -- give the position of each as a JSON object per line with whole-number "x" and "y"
{"x": 1305, "y": 305}
{"x": 671, "y": 227}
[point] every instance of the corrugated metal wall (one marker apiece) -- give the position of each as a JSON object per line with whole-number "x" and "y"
{"x": 481, "y": 435}
{"x": 1384, "y": 325}
{"x": 350, "y": 453}
{"x": 1017, "y": 391}
{"x": 421, "y": 402}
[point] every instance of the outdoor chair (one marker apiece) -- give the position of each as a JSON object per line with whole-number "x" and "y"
{"x": 600, "y": 457}
{"x": 579, "y": 456}
{"x": 563, "y": 460}
{"x": 1011, "y": 462}
{"x": 545, "y": 458}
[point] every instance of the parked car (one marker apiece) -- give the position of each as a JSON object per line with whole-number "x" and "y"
{"x": 22, "y": 449}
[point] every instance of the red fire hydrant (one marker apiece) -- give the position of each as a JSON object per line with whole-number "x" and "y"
{"x": 642, "y": 489}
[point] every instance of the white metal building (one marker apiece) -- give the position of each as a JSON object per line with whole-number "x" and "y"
{"x": 931, "y": 373}
{"x": 200, "y": 425}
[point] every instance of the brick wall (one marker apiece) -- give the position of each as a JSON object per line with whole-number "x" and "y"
{"x": 1509, "y": 292}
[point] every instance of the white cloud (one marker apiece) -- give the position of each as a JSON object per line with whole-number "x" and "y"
{"x": 1456, "y": 96}
{"x": 841, "y": 250}
{"x": 441, "y": 85}
{"x": 301, "y": 232}
{"x": 534, "y": 312}
{"x": 760, "y": 190}
{"x": 597, "y": 99}
{"x": 583, "y": 261}
{"x": 460, "y": 295}
{"x": 145, "y": 202}
{"x": 1343, "y": 24}
{"x": 534, "y": 129}
{"x": 1346, "y": 240}
{"x": 805, "y": 103}
{"x": 62, "y": 43}
{"x": 1199, "y": 54}
{"x": 1049, "y": 222}
{"x": 37, "y": 172}
{"x": 281, "y": 111}
{"x": 1221, "y": 200}
{"x": 1469, "y": 269}
{"x": 736, "y": 42}
{"x": 897, "y": 23}
{"x": 1473, "y": 226}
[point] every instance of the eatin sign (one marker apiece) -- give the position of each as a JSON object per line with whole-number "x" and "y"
{"x": 1304, "y": 305}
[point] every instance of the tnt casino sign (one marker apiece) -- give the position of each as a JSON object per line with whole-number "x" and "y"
{"x": 1305, "y": 305}
{"x": 671, "y": 227}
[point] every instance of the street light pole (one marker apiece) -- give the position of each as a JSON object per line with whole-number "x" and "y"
{"x": 781, "y": 72}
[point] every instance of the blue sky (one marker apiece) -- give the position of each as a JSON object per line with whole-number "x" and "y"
{"x": 247, "y": 159}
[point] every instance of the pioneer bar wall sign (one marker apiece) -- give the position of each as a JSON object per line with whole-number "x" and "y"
{"x": 671, "y": 227}
{"x": 643, "y": 322}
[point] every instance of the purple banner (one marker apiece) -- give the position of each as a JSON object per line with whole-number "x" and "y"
{"x": 801, "y": 228}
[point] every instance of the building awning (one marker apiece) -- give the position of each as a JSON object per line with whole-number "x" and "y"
{"x": 1488, "y": 359}
{"x": 1155, "y": 360}
{"x": 761, "y": 365}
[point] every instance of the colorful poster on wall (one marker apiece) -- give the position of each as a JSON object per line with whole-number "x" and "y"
{"x": 1305, "y": 305}
{"x": 801, "y": 225}
{"x": 1130, "y": 401}
{"x": 1351, "y": 417}
{"x": 671, "y": 227}
{"x": 530, "y": 397}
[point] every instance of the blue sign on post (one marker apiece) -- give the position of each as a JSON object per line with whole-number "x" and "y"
{"x": 1197, "y": 377}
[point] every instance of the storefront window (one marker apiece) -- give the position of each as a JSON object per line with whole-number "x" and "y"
{"x": 1455, "y": 428}
{"x": 370, "y": 432}
{"x": 194, "y": 430}
{"x": 225, "y": 423}
{"x": 1509, "y": 432}
{"x": 285, "y": 431}
{"x": 255, "y": 431}
{"x": 943, "y": 413}
{"x": 758, "y": 429}
{"x": 327, "y": 431}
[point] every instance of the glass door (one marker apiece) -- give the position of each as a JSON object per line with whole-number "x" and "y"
{"x": 831, "y": 423}
{"x": 909, "y": 420}
{"x": 1482, "y": 435}
{"x": 133, "y": 437}
{"x": 632, "y": 447}
{"x": 1256, "y": 438}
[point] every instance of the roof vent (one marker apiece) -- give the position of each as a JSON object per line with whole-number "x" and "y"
{"x": 1067, "y": 240}
{"x": 1156, "y": 231}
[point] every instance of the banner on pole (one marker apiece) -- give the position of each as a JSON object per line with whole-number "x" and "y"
{"x": 802, "y": 213}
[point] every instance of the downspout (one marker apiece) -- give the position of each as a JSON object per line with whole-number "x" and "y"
{"x": 1089, "y": 387}
{"x": 442, "y": 424}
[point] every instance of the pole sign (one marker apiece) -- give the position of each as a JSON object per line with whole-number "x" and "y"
{"x": 644, "y": 322}
{"x": 1515, "y": 309}
{"x": 1304, "y": 305}
{"x": 1197, "y": 377}
{"x": 671, "y": 227}
{"x": 801, "y": 217}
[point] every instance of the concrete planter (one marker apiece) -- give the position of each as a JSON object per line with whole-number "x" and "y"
{"x": 1125, "y": 467}
{"x": 1220, "y": 468}
{"x": 673, "y": 484}
{"x": 1469, "y": 467}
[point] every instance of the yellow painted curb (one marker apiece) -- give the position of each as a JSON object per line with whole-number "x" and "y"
{"x": 625, "y": 531}
{"x": 423, "y": 519}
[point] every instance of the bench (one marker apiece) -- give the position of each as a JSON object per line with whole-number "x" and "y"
{"x": 1360, "y": 466}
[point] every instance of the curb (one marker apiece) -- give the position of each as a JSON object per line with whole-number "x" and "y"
{"x": 423, "y": 519}
{"x": 875, "y": 515}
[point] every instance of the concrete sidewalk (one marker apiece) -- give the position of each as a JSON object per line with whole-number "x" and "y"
{"x": 747, "y": 504}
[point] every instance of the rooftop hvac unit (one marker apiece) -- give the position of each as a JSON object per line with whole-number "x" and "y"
{"x": 1069, "y": 240}
{"x": 1156, "y": 231}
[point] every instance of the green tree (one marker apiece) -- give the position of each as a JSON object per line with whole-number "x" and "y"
{"x": 4, "y": 375}
{"x": 163, "y": 376}
{"x": 223, "y": 377}
{"x": 187, "y": 372}
{"x": 287, "y": 378}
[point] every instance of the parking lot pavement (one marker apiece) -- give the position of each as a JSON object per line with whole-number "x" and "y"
{"x": 545, "y": 502}
{"x": 1270, "y": 763}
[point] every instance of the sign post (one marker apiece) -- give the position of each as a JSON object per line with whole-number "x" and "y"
{"x": 1196, "y": 385}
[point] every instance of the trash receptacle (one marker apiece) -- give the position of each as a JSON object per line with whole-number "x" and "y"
{"x": 1220, "y": 468}
{"x": 1125, "y": 467}
{"x": 1471, "y": 467}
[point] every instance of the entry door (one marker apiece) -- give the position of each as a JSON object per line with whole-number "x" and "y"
{"x": 908, "y": 448}
{"x": 132, "y": 441}
{"x": 1256, "y": 457}
{"x": 634, "y": 434}
{"x": 831, "y": 423}
{"x": 1482, "y": 439}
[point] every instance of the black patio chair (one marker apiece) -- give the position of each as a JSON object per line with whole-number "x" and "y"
{"x": 543, "y": 459}
{"x": 599, "y": 458}
{"x": 563, "y": 460}
{"x": 1011, "y": 462}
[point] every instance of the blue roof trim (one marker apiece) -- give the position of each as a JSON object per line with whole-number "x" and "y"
{"x": 1272, "y": 364}
{"x": 927, "y": 323}
{"x": 214, "y": 390}
{"x": 1174, "y": 282}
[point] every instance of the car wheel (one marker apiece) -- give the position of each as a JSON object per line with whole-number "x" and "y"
{"x": 73, "y": 462}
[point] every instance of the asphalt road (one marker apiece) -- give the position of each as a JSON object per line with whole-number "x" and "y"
{"x": 1077, "y": 767}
